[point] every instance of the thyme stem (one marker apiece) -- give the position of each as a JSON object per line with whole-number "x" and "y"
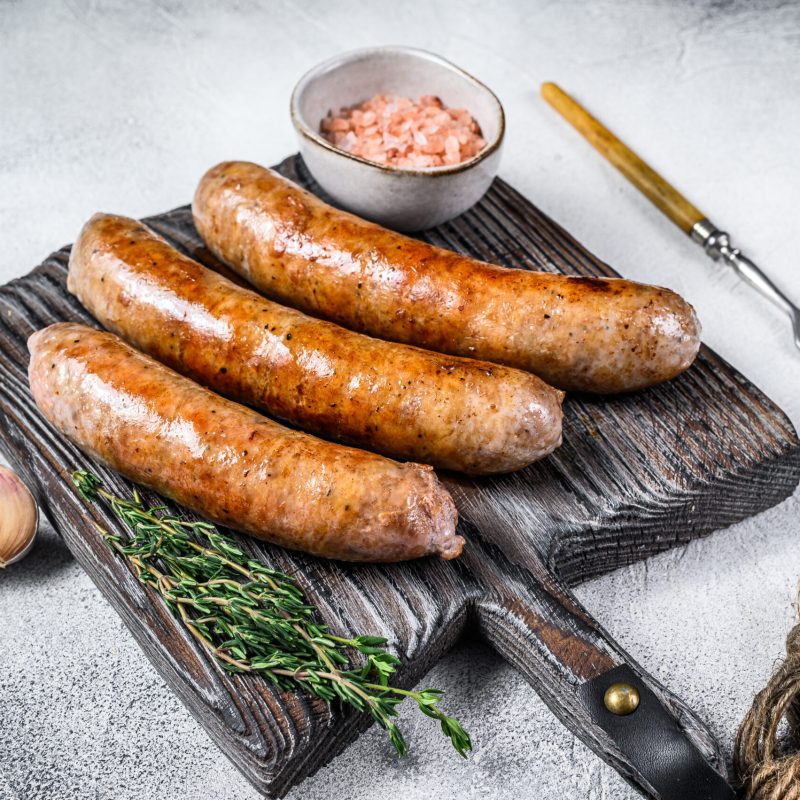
{"x": 253, "y": 619}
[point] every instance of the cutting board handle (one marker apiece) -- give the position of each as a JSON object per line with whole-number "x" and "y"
{"x": 661, "y": 746}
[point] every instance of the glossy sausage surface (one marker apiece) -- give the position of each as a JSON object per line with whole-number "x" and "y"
{"x": 229, "y": 463}
{"x": 584, "y": 334}
{"x": 402, "y": 401}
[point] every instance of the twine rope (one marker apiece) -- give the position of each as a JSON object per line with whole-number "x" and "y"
{"x": 768, "y": 767}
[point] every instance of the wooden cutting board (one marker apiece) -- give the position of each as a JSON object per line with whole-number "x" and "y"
{"x": 636, "y": 475}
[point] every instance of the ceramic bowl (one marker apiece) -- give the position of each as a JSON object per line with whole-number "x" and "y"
{"x": 398, "y": 197}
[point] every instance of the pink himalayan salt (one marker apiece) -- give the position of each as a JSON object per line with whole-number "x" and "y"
{"x": 399, "y": 131}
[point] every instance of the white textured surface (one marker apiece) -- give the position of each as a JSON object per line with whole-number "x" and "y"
{"x": 120, "y": 106}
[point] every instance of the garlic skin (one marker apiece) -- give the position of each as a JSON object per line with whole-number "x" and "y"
{"x": 19, "y": 518}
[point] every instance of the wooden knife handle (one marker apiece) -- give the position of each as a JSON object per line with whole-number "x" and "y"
{"x": 659, "y": 191}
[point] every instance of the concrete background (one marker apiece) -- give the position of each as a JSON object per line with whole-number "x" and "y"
{"x": 120, "y": 106}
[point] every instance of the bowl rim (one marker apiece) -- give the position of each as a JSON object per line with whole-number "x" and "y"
{"x": 351, "y": 55}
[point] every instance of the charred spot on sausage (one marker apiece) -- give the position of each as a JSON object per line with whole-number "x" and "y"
{"x": 595, "y": 284}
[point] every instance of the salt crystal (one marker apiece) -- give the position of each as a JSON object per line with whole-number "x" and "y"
{"x": 435, "y": 145}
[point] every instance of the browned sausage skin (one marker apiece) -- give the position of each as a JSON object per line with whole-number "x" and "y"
{"x": 584, "y": 334}
{"x": 402, "y": 401}
{"x": 231, "y": 464}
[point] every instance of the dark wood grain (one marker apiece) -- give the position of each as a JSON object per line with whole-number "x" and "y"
{"x": 636, "y": 475}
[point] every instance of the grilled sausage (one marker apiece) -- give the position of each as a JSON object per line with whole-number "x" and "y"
{"x": 601, "y": 335}
{"x": 231, "y": 464}
{"x": 402, "y": 401}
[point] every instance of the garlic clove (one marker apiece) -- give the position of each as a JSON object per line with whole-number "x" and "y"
{"x": 19, "y": 518}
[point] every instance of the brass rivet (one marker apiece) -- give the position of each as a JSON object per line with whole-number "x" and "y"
{"x": 621, "y": 699}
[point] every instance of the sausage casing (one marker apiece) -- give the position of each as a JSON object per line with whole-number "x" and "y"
{"x": 602, "y": 335}
{"x": 231, "y": 464}
{"x": 402, "y": 401}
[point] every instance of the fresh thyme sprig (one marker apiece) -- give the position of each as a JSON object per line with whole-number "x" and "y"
{"x": 255, "y": 619}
